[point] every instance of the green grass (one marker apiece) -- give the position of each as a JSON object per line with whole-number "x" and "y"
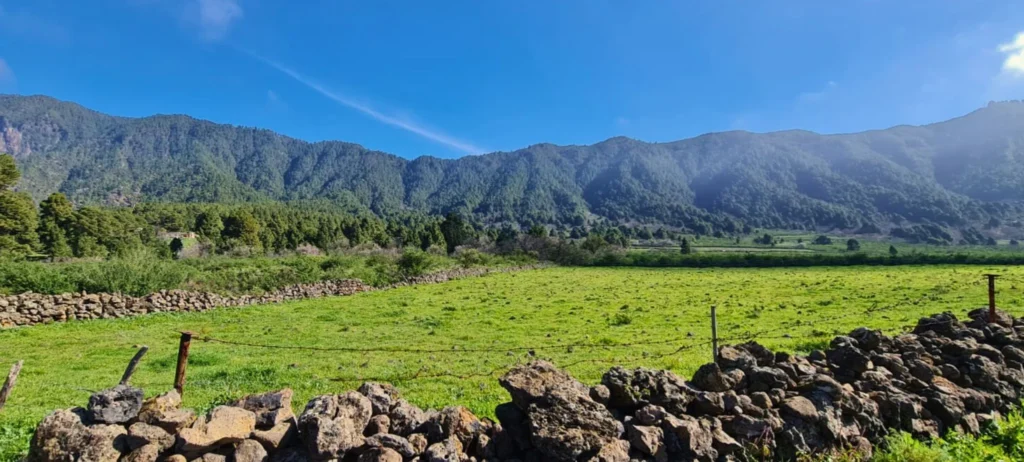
{"x": 554, "y": 307}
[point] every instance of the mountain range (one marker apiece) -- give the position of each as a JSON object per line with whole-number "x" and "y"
{"x": 958, "y": 173}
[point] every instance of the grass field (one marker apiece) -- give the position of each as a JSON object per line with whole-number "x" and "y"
{"x": 584, "y": 319}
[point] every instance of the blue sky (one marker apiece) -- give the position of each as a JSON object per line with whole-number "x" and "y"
{"x": 450, "y": 78}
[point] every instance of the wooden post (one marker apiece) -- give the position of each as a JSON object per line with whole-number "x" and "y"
{"x": 991, "y": 297}
{"x": 9, "y": 383}
{"x": 714, "y": 333}
{"x": 179, "y": 373}
{"x": 133, "y": 364}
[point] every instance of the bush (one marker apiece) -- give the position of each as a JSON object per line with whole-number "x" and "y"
{"x": 138, "y": 272}
{"x": 414, "y": 262}
{"x": 469, "y": 258}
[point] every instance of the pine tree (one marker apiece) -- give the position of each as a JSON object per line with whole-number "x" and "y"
{"x": 18, "y": 218}
{"x": 56, "y": 215}
{"x": 892, "y": 251}
{"x": 684, "y": 247}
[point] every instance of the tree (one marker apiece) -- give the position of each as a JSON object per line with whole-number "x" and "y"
{"x": 56, "y": 215}
{"x": 537, "y": 231}
{"x": 684, "y": 247}
{"x": 892, "y": 251}
{"x": 9, "y": 174}
{"x": 1014, "y": 242}
{"x": 455, "y": 230}
{"x": 176, "y": 247}
{"x": 990, "y": 241}
{"x": 209, "y": 225}
{"x": 767, "y": 239}
{"x": 594, "y": 242}
{"x": 243, "y": 226}
{"x": 18, "y": 218}
{"x": 822, "y": 240}
{"x": 852, "y": 245}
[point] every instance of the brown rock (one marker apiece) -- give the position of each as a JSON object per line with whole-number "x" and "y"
{"x": 61, "y": 436}
{"x": 380, "y": 455}
{"x": 379, "y": 423}
{"x": 226, "y": 425}
{"x": 144, "y": 453}
{"x": 250, "y": 451}
{"x": 616, "y": 451}
{"x": 418, "y": 442}
{"x": 142, "y": 434}
{"x": 281, "y": 435}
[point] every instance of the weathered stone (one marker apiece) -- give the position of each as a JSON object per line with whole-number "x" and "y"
{"x": 735, "y": 358}
{"x": 281, "y": 435}
{"x": 449, "y": 450}
{"x": 144, "y": 453}
{"x": 689, "y": 439}
{"x": 600, "y": 393}
{"x": 396, "y": 443}
{"x": 650, "y": 415}
{"x": 419, "y": 442}
{"x": 649, "y": 440}
{"x": 116, "y": 405}
{"x": 381, "y": 395}
{"x": 271, "y": 408}
{"x": 710, "y": 377}
{"x": 380, "y": 455}
{"x": 405, "y": 418}
{"x": 632, "y": 389}
{"x": 379, "y": 423}
{"x": 141, "y": 434}
{"x": 62, "y": 437}
{"x": 250, "y": 451}
{"x": 616, "y": 451}
{"x": 332, "y": 425}
{"x": 226, "y": 425}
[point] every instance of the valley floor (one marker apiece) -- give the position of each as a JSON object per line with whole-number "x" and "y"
{"x": 464, "y": 334}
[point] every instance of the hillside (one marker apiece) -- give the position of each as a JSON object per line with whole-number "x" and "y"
{"x": 957, "y": 173}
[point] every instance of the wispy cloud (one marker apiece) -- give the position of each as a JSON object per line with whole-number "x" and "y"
{"x": 816, "y": 96}
{"x": 215, "y": 17}
{"x": 1014, "y": 51}
{"x": 6, "y": 74}
{"x": 394, "y": 121}
{"x": 27, "y": 25}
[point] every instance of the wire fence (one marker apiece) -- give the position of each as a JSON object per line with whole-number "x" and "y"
{"x": 636, "y": 351}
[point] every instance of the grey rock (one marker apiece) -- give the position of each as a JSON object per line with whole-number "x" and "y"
{"x": 116, "y": 405}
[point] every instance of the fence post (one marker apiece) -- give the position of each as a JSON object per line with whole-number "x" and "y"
{"x": 991, "y": 297}
{"x": 9, "y": 383}
{"x": 133, "y": 364}
{"x": 179, "y": 373}
{"x": 714, "y": 333}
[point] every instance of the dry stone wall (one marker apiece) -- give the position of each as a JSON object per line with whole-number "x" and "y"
{"x": 754, "y": 405}
{"x": 31, "y": 308}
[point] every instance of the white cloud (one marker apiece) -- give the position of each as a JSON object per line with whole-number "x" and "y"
{"x": 816, "y": 96}
{"x": 1014, "y": 51}
{"x": 215, "y": 17}
{"x": 392, "y": 120}
{"x": 6, "y": 74}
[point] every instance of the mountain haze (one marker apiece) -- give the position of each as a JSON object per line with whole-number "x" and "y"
{"x": 955, "y": 173}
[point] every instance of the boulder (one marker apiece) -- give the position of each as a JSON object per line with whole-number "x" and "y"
{"x": 687, "y": 438}
{"x": 564, "y": 422}
{"x": 379, "y": 423}
{"x": 396, "y": 443}
{"x": 116, "y": 405}
{"x": 405, "y": 418}
{"x": 380, "y": 455}
{"x": 449, "y": 450}
{"x": 633, "y": 389}
{"x": 142, "y": 434}
{"x": 710, "y": 377}
{"x": 381, "y": 395}
{"x": 144, "y": 453}
{"x": 226, "y": 425}
{"x": 332, "y": 425}
{"x": 648, "y": 440}
{"x": 62, "y": 436}
{"x": 271, "y": 408}
{"x": 249, "y": 451}
{"x": 281, "y": 435}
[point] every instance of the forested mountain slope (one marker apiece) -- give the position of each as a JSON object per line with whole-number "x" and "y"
{"x": 955, "y": 173}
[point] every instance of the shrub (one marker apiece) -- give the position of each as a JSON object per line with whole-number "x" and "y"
{"x": 414, "y": 262}
{"x": 470, "y": 257}
{"x": 138, "y": 272}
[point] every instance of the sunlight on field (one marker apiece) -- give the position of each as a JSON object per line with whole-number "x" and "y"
{"x": 584, "y": 319}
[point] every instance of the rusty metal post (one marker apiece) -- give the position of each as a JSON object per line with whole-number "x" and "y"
{"x": 714, "y": 333}
{"x": 179, "y": 373}
{"x": 991, "y": 297}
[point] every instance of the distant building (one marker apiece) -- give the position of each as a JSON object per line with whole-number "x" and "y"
{"x": 179, "y": 235}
